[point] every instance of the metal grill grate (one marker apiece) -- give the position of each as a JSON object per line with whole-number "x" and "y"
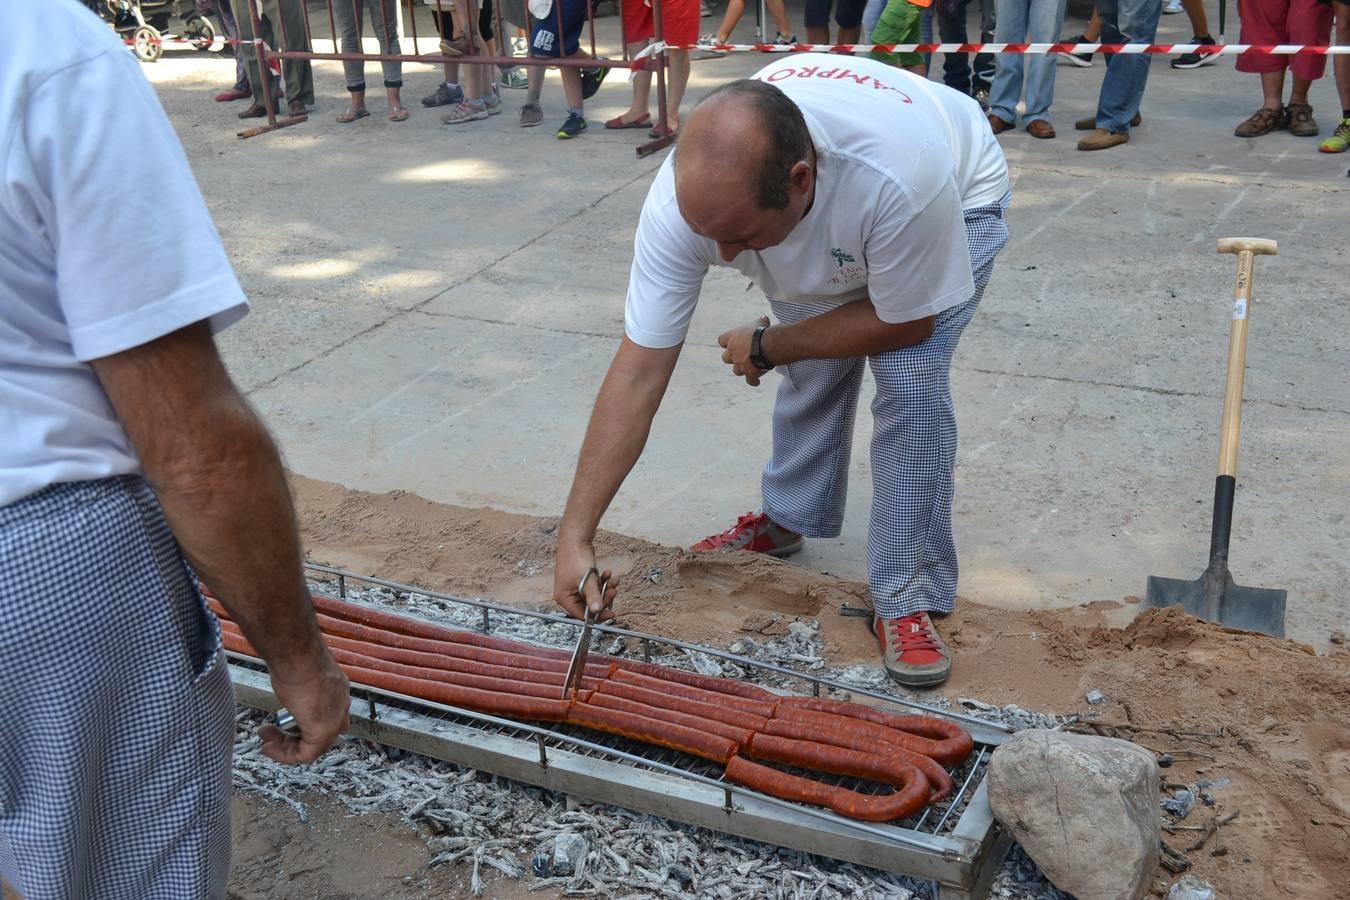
{"x": 954, "y": 843}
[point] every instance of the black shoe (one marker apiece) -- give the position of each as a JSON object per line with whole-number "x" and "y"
{"x": 590, "y": 81}
{"x": 1197, "y": 58}
{"x": 1082, "y": 60}
{"x": 574, "y": 126}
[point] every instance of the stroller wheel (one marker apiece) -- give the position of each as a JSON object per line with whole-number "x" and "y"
{"x": 200, "y": 33}
{"x": 147, "y": 43}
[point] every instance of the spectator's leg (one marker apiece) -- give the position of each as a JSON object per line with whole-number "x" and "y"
{"x": 677, "y": 78}
{"x": 1195, "y": 11}
{"x": 639, "y": 106}
{"x": 384, "y": 20}
{"x": 983, "y": 78}
{"x": 1125, "y": 22}
{"x": 299, "y": 74}
{"x": 1342, "y": 63}
{"x": 778, "y": 12}
{"x": 348, "y": 15}
{"x": 1045, "y": 19}
{"x": 735, "y": 9}
{"x": 952, "y": 30}
{"x": 225, "y": 13}
{"x": 1010, "y": 67}
{"x": 816, "y": 17}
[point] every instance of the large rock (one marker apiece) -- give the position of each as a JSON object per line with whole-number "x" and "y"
{"x": 1084, "y": 808}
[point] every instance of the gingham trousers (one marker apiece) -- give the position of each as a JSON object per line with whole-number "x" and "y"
{"x": 911, "y": 552}
{"x": 118, "y": 716}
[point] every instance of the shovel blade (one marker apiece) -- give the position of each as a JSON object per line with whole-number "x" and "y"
{"x": 1247, "y": 608}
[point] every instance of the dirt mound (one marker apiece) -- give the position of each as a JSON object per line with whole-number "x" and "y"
{"x": 1267, "y": 714}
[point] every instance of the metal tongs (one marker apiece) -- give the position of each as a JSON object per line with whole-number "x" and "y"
{"x": 577, "y": 667}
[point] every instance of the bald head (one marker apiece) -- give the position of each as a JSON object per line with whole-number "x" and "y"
{"x": 746, "y": 135}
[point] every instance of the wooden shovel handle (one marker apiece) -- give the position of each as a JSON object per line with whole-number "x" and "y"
{"x": 1247, "y": 249}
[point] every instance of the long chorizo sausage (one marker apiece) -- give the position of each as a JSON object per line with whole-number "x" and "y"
{"x": 938, "y": 780}
{"x": 944, "y": 741}
{"x": 864, "y": 807}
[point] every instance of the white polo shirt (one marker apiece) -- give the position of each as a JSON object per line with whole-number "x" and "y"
{"x": 898, "y": 159}
{"x": 105, "y": 243}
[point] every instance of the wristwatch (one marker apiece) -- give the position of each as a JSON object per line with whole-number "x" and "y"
{"x": 757, "y": 357}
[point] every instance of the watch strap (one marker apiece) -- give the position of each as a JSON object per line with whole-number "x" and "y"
{"x": 757, "y": 357}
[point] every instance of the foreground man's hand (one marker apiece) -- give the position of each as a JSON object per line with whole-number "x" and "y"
{"x": 318, "y": 697}
{"x": 736, "y": 344}
{"x": 570, "y": 566}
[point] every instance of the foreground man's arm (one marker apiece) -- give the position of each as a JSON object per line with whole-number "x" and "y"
{"x": 219, "y": 480}
{"x": 620, "y": 423}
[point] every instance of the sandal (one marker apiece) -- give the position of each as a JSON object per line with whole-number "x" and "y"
{"x": 660, "y": 131}
{"x": 643, "y": 121}
{"x": 399, "y": 115}
{"x": 349, "y": 115}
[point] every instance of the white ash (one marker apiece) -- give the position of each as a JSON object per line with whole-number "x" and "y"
{"x": 1014, "y": 716}
{"x": 491, "y": 823}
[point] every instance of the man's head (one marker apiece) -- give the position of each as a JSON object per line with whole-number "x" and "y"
{"x": 745, "y": 167}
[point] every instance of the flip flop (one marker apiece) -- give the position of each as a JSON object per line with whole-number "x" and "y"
{"x": 351, "y": 115}
{"x": 617, "y": 122}
{"x": 398, "y": 115}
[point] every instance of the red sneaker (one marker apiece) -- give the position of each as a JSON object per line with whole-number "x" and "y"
{"x": 912, "y": 651}
{"x": 756, "y": 532}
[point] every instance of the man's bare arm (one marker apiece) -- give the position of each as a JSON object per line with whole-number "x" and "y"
{"x": 845, "y": 332}
{"x": 219, "y": 480}
{"x": 618, "y": 430}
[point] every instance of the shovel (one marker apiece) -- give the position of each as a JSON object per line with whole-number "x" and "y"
{"x": 1213, "y": 596}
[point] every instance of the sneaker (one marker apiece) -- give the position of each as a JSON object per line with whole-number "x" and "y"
{"x": 1082, "y": 60}
{"x": 755, "y": 532}
{"x": 1263, "y": 121}
{"x": 707, "y": 45}
{"x": 1172, "y": 7}
{"x": 444, "y": 95}
{"x": 912, "y": 651}
{"x": 531, "y": 114}
{"x": 465, "y": 112}
{"x": 1339, "y": 141}
{"x": 574, "y": 126}
{"x": 591, "y": 79}
{"x": 519, "y": 47}
{"x": 784, "y": 40}
{"x": 1301, "y": 121}
{"x": 704, "y": 10}
{"x": 515, "y": 78}
{"x": 981, "y": 95}
{"x": 1197, "y": 58}
{"x": 493, "y": 103}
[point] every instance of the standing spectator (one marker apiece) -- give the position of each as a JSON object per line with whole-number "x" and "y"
{"x": 224, "y": 14}
{"x": 956, "y": 67}
{"x": 1195, "y": 11}
{"x": 1025, "y": 21}
{"x": 1339, "y": 141}
{"x": 679, "y": 24}
{"x": 578, "y": 84}
{"x": 384, "y": 22}
{"x": 130, "y": 464}
{"x": 480, "y": 98}
{"x": 1123, "y": 22}
{"x": 848, "y": 16}
{"x": 736, "y": 9}
{"x": 285, "y": 19}
{"x": 901, "y": 23}
{"x": 1283, "y": 22}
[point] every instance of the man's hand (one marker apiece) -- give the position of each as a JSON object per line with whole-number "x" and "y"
{"x": 737, "y": 350}
{"x": 571, "y": 565}
{"x": 318, "y": 698}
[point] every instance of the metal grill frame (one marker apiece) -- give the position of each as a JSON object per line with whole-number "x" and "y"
{"x": 957, "y": 844}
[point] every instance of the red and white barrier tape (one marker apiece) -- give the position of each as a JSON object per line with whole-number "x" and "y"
{"x": 1161, "y": 49}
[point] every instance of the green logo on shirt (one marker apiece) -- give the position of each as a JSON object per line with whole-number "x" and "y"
{"x": 840, "y": 257}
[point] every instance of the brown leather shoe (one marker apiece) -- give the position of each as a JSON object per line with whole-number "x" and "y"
{"x": 256, "y": 111}
{"x": 1040, "y": 128}
{"x": 1101, "y": 139}
{"x": 1091, "y": 122}
{"x": 1264, "y": 121}
{"x": 296, "y": 109}
{"x": 1301, "y": 122}
{"x": 998, "y": 125}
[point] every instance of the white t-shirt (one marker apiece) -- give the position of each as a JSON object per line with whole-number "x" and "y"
{"x": 105, "y": 243}
{"x": 898, "y": 158}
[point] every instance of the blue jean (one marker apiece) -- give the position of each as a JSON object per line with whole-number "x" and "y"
{"x": 1026, "y": 21}
{"x": 956, "y": 70}
{"x": 1125, "y": 22}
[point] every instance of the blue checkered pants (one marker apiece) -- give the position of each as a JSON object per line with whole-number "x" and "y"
{"x": 911, "y": 552}
{"x": 118, "y": 712}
